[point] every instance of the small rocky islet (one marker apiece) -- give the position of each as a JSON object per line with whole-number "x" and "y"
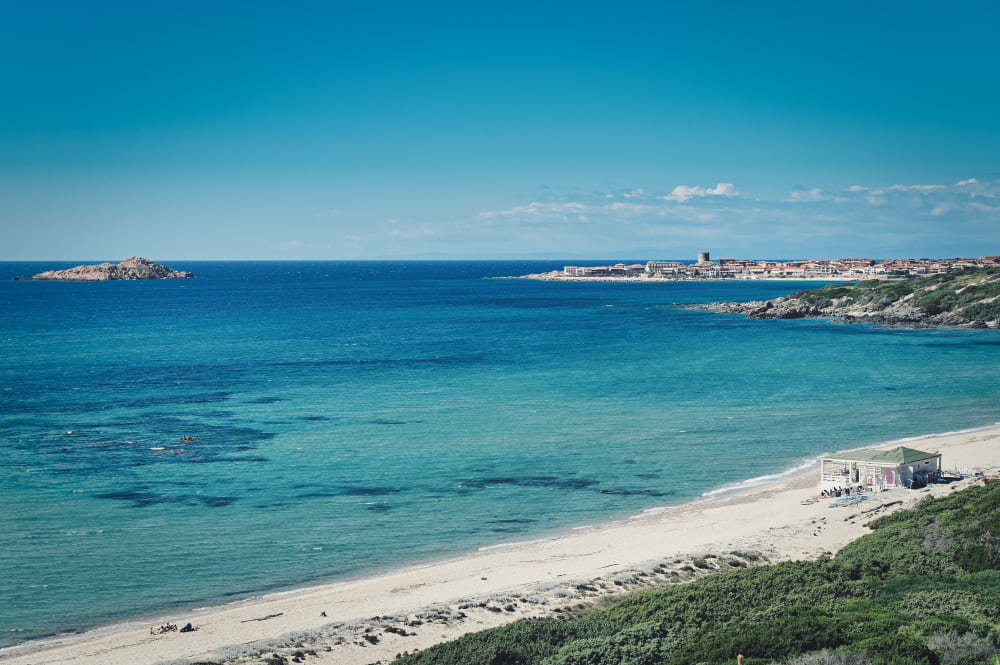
{"x": 135, "y": 267}
{"x": 964, "y": 298}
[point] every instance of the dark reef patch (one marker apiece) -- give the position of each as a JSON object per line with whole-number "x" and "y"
{"x": 529, "y": 481}
{"x": 322, "y": 491}
{"x": 144, "y": 498}
{"x": 165, "y": 400}
{"x": 217, "y": 501}
{"x": 129, "y": 443}
{"x": 140, "y": 498}
{"x": 219, "y": 413}
{"x": 374, "y": 491}
{"x": 382, "y": 362}
{"x": 237, "y": 459}
{"x": 638, "y": 492}
{"x": 265, "y": 400}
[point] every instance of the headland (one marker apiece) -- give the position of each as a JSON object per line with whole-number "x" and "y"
{"x": 966, "y": 298}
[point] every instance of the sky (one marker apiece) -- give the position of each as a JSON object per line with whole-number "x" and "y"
{"x": 360, "y": 130}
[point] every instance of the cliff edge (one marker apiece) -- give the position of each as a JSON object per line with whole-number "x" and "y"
{"x": 968, "y": 298}
{"x": 132, "y": 268}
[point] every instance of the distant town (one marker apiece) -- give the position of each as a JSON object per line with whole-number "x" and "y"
{"x": 831, "y": 269}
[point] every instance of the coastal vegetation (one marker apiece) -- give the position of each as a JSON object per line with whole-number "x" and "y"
{"x": 923, "y": 588}
{"x": 963, "y": 298}
{"x": 971, "y": 294}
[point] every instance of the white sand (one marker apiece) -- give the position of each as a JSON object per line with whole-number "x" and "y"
{"x": 528, "y": 579}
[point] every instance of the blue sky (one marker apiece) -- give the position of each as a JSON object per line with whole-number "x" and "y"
{"x": 336, "y": 130}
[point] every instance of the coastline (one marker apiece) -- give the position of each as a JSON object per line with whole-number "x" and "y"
{"x": 660, "y": 280}
{"x": 372, "y": 619}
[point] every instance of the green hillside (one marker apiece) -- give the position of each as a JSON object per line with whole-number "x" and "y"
{"x": 965, "y": 295}
{"x": 922, "y": 589}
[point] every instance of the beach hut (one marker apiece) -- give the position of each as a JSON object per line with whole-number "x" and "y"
{"x": 879, "y": 469}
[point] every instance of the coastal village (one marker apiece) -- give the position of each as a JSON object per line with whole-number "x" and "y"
{"x": 705, "y": 268}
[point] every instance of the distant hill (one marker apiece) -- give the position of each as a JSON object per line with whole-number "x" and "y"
{"x": 969, "y": 298}
{"x": 135, "y": 267}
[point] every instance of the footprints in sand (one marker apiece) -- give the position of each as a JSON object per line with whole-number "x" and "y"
{"x": 384, "y": 638}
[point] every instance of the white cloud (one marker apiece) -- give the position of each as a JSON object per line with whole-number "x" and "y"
{"x": 539, "y": 209}
{"x": 814, "y": 194}
{"x": 882, "y": 220}
{"x": 915, "y": 188}
{"x": 423, "y": 231}
{"x": 298, "y": 245}
{"x": 974, "y": 188}
{"x": 982, "y": 207}
{"x": 684, "y": 193}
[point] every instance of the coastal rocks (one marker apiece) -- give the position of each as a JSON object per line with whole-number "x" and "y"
{"x": 961, "y": 299}
{"x": 783, "y": 308}
{"x": 135, "y": 267}
{"x": 790, "y": 308}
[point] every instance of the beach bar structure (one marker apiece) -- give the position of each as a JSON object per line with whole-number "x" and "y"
{"x": 879, "y": 469}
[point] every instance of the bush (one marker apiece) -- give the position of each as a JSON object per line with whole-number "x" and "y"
{"x": 896, "y": 650}
{"x": 800, "y": 628}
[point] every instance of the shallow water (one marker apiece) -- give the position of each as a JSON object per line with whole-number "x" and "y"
{"x": 179, "y": 443}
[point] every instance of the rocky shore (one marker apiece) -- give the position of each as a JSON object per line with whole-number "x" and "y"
{"x": 131, "y": 268}
{"x": 967, "y": 298}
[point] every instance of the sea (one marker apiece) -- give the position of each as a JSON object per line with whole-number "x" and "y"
{"x": 177, "y": 444}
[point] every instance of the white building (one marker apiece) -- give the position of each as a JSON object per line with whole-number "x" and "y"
{"x": 879, "y": 469}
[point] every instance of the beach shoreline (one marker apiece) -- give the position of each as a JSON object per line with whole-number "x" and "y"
{"x": 371, "y": 619}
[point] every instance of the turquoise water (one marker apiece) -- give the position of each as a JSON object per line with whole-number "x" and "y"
{"x": 346, "y": 418}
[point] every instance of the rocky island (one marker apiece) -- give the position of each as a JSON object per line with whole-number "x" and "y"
{"x": 132, "y": 268}
{"x": 967, "y": 298}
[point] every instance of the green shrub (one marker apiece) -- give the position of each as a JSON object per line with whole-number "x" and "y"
{"x": 896, "y": 650}
{"x": 798, "y": 629}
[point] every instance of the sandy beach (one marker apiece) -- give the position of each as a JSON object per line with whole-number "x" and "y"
{"x": 372, "y": 620}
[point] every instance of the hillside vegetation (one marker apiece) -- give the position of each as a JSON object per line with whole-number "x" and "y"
{"x": 922, "y": 589}
{"x": 963, "y": 298}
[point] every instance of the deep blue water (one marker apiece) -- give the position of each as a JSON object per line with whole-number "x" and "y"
{"x": 178, "y": 443}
